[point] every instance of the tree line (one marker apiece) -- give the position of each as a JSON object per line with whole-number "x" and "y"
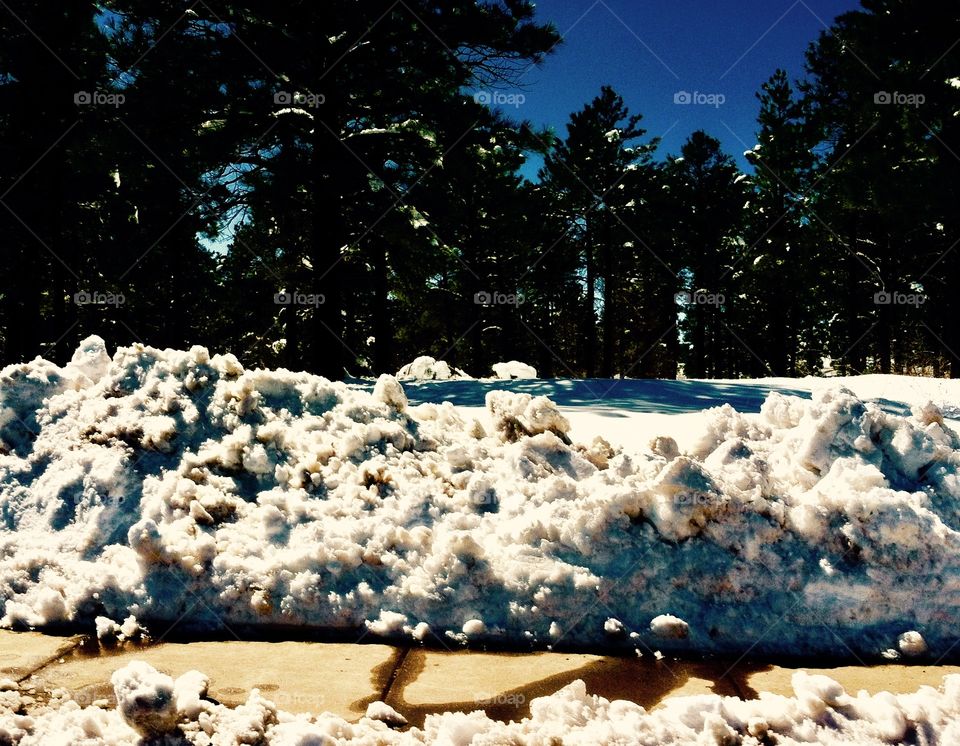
{"x": 325, "y": 187}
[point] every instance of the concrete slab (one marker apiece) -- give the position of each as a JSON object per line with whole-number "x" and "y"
{"x": 503, "y": 684}
{"x": 345, "y": 678}
{"x": 898, "y": 679}
{"x": 299, "y": 677}
{"x": 22, "y": 653}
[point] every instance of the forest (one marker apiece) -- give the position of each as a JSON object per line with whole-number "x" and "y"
{"x": 327, "y": 187}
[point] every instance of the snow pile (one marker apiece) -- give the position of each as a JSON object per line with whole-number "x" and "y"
{"x": 513, "y": 369}
{"x": 180, "y": 488}
{"x": 425, "y": 368}
{"x": 154, "y": 706}
{"x": 110, "y": 632}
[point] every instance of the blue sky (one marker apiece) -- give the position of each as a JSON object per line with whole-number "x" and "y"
{"x": 649, "y": 50}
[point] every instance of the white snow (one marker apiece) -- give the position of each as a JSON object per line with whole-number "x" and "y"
{"x": 385, "y": 714}
{"x": 178, "y": 487}
{"x": 153, "y": 706}
{"x": 513, "y": 369}
{"x": 669, "y": 626}
{"x": 912, "y": 643}
{"x": 425, "y": 368}
{"x": 107, "y": 629}
{"x": 145, "y": 699}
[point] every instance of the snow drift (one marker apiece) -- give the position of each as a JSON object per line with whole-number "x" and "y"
{"x": 183, "y": 489}
{"x": 151, "y": 705}
{"x": 513, "y": 369}
{"x": 426, "y": 368}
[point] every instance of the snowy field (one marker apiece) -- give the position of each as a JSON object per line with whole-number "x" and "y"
{"x": 776, "y": 518}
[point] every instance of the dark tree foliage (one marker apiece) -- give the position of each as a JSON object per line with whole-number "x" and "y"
{"x": 592, "y": 178}
{"x": 324, "y": 186}
{"x": 705, "y": 185}
{"x": 779, "y": 268}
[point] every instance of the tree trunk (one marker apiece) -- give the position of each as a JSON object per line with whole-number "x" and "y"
{"x": 589, "y": 318}
{"x": 855, "y": 358}
{"x": 325, "y": 348}
{"x": 382, "y": 328}
{"x": 609, "y": 325}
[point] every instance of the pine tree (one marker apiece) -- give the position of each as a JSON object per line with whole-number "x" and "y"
{"x": 587, "y": 175}
{"x": 706, "y": 187}
{"x": 876, "y": 182}
{"x": 53, "y": 184}
{"x": 173, "y": 168}
{"x": 482, "y": 207}
{"x": 374, "y": 80}
{"x": 781, "y": 261}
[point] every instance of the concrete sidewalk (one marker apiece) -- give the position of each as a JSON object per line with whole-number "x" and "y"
{"x": 345, "y": 678}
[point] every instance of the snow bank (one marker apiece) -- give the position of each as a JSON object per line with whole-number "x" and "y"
{"x": 425, "y": 368}
{"x": 180, "y": 488}
{"x": 513, "y": 369}
{"x": 152, "y": 705}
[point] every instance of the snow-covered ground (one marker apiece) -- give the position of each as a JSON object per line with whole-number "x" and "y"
{"x": 789, "y": 517}
{"x": 183, "y": 489}
{"x": 634, "y": 410}
{"x": 153, "y": 708}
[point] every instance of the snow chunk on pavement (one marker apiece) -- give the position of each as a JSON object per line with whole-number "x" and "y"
{"x": 107, "y": 629}
{"x": 385, "y": 714}
{"x": 145, "y": 699}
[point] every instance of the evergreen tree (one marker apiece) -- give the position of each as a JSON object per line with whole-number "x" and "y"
{"x": 876, "y": 180}
{"x": 172, "y": 169}
{"x": 53, "y": 181}
{"x": 587, "y": 175}
{"x": 781, "y": 264}
{"x": 374, "y": 71}
{"x": 706, "y": 187}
